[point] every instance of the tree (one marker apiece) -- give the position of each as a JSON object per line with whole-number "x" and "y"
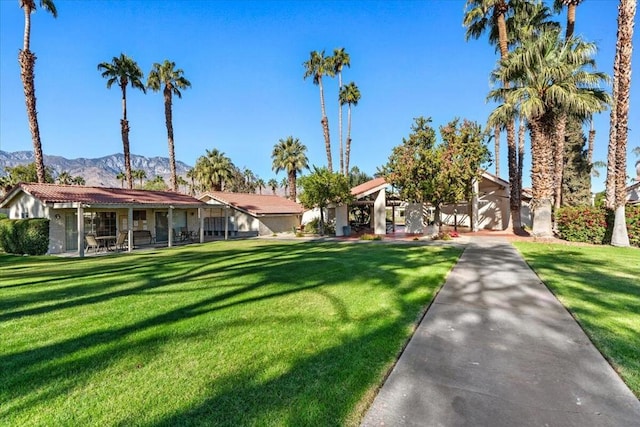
{"x": 191, "y": 174}
{"x": 27, "y": 61}
{"x": 289, "y": 155}
{"x": 183, "y": 183}
{"x": 260, "y": 185}
{"x": 350, "y": 95}
{"x": 213, "y": 169}
{"x": 241, "y": 181}
{"x": 172, "y": 81}
{"x": 491, "y": 15}
{"x": 121, "y": 176}
{"x": 123, "y": 71}
{"x": 273, "y": 185}
{"x": 340, "y": 59}
{"x": 78, "y": 180}
{"x": 64, "y": 178}
{"x": 620, "y": 119}
{"x": 25, "y": 173}
{"x": 156, "y": 184}
{"x": 139, "y": 174}
{"x": 424, "y": 171}
{"x": 317, "y": 67}
{"x": 553, "y": 80}
{"x": 323, "y": 188}
{"x": 576, "y": 180}
{"x": 285, "y": 184}
{"x": 357, "y": 177}
{"x": 571, "y": 6}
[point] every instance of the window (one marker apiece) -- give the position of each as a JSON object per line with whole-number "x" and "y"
{"x": 139, "y": 215}
{"x": 100, "y": 223}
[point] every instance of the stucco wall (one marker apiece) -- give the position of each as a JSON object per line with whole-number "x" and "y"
{"x": 277, "y": 224}
{"x": 25, "y": 206}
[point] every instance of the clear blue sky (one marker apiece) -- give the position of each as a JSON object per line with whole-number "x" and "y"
{"x": 244, "y": 60}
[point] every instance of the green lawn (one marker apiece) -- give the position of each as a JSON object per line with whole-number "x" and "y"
{"x": 227, "y": 333}
{"x": 600, "y": 285}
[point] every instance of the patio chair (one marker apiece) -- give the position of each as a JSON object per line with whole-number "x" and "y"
{"x": 91, "y": 242}
{"x": 121, "y": 241}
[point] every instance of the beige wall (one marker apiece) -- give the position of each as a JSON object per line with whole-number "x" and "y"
{"x": 278, "y": 224}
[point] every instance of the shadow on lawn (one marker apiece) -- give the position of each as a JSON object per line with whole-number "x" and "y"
{"x": 272, "y": 271}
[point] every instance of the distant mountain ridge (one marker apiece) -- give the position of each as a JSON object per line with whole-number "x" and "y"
{"x": 100, "y": 172}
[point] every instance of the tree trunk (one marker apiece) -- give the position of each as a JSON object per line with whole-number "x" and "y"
{"x": 521, "y": 135}
{"x": 124, "y": 128}
{"x": 169, "y": 122}
{"x": 321, "y": 225}
{"x": 571, "y": 20}
{"x": 558, "y": 158}
{"x": 292, "y": 185}
{"x": 496, "y": 150}
{"x": 27, "y": 62}
{"x": 610, "y": 187}
{"x": 624, "y": 48}
{"x": 590, "y": 143}
{"x": 348, "y": 142}
{"x": 541, "y": 175}
{"x": 342, "y": 171}
{"x": 325, "y": 127}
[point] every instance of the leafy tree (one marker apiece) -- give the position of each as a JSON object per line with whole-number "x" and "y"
{"x": 64, "y": 178}
{"x": 213, "y": 169}
{"x": 27, "y": 60}
{"x": 617, "y": 159}
{"x": 183, "y": 183}
{"x": 357, "y": 177}
{"x": 289, "y": 155}
{"x": 340, "y": 59}
{"x": 241, "y": 181}
{"x": 554, "y": 79}
{"x": 171, "y": 81}
{"x": 350, "y": 95}
{"x": 156, "y": 184}
{"x": 317, "y": 67}
{"x": 78, "y": 180}
{"x": 427, "y": 172}
{"x": 323, "y": 188}
{"x": 273, "y": 185}
{"x": 121, "y": 176}
{"x": 139, "y": 174}
{"x": 123, "y": 71}
{"x": 25, "y": 173}
{"x": 576, "y": 180}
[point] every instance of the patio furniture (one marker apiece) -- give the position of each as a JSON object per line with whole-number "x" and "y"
{"x": 106, "y": 241}
{"x": 121, "y": 241}
{"x": 142, "y": 237}
{"x": 91, "y": 242}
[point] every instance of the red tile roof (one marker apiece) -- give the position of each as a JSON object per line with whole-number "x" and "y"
{"x": 256, "y": 204}
{"x": 368, "y": 186}
{"x": 55, "y": 193}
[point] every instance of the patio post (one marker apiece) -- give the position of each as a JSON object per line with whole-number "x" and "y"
{"x": 80, "y": 231}
{"x": 201, "y": 218}
{"x": 170, "y": 221}
{"x": 130, "y": 229}
{"x": 474, "y": 206}
{"x": 226, "y": 222}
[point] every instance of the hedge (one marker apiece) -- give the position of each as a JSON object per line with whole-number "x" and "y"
{"x": 594, "y": 224}
{"x": 24, "y": 236}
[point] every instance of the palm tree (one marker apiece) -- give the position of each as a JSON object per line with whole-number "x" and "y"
{"x": 350, "y": 95}
{"x": 121, "y": 176}
{"x": 285, "y": 184}
{"x": 123, "y": 70}
{"x": 490, "y": 15}
{"x": 290, "y": 155}
{"x": 78, "y": 180}
{"x": 260, "y": 185}
{"x": 620, "y": 117}
{"x": 139, "y": 174}
{"x": 273, "y": 185}
{"x": 27, "y": 61}
{"x": 64, "y": 178}
{"x": 571, "y": 6}
{"x": 182, "y": 183}
{"x": 340, "y": 60}
{"x": 552, "y": 80}
{"x": 191, "y": 174}
{"x": 317, "y": 67}
{"x": 173, "y": 81}
{"x": 213, "y": 169}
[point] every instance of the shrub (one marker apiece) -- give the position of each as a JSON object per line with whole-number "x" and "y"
{"x": 313, "y": 227}
{"x": 25, "y": 236}
{"x": 368, "y": 236}
{"x": 594, "y": 224}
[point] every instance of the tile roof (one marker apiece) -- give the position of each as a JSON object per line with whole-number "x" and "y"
{"x": 256, "y": 204}
{"x": 368, "y": 186}
{"x": 55, "y": 193}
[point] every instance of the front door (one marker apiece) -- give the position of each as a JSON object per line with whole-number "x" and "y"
{"x": 71, "y": 231}
{"x": 162, "y": 227}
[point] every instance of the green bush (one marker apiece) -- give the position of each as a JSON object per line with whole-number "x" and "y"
{"x": 594, "y": 224}
{"x": 24, "y": 236}
{"x": 313, "y": 227}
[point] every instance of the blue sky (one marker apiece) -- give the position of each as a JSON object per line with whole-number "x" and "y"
{"x": 244, "y": 60}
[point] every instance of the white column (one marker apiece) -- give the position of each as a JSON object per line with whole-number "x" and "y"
{"x": 80, "y": 231}
{"x": 474, "y": 206}
{"x": 170, "y": 225}
{"x": 130, "y": 229}
{"x": 379, "y": 213}
{"x": 226, "y": 223}
{"x": 342, "y": 219}
{"x": 201, "y": 218}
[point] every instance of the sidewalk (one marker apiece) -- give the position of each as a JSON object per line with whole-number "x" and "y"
{"x": 497, "y": 349}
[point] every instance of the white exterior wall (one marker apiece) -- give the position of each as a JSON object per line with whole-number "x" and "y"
{"x": 57, "y": 237}
{"x": 277, "y": 224}
{"x": 245, "y": 222}
{"x": 25, "y": 206}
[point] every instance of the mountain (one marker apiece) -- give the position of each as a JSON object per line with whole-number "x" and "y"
{"x": 99, "y": 172}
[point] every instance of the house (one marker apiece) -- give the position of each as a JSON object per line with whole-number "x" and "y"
{"x": 633, "y": 192}
{"x": 243, "y": 214}
{"x": 156, "y": 215}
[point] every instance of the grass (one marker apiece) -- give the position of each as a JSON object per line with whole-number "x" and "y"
{"x": 600, "y": 286}
{"x": 227, "y": 333}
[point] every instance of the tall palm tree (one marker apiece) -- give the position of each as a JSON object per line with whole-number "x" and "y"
{"x": 213, "y": 169}
{"x": 290, "y": 156}
{"x": 553, "y": 79}
{"x": 491, "y": 15}
{"x": 350, "y": 95}
{"x": 273, "y": 185}
{"x": 285, "y": 184}
{"x": 340, "y": 60}
{"x": 173, "y": 81}
{"x": 139, "y": 174}
{"x": 121, "y": 176}
{"x": 317, "y": 67}
{"x": 571, "y": 6}
{"x": 191, "y": 174}
{"x": 620, "y": 119}
{"x": 64, "y": 178}
{"x": 27, "y": 61}
{"x": 260, "y": 185}
{"x": 123, "y": 70}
